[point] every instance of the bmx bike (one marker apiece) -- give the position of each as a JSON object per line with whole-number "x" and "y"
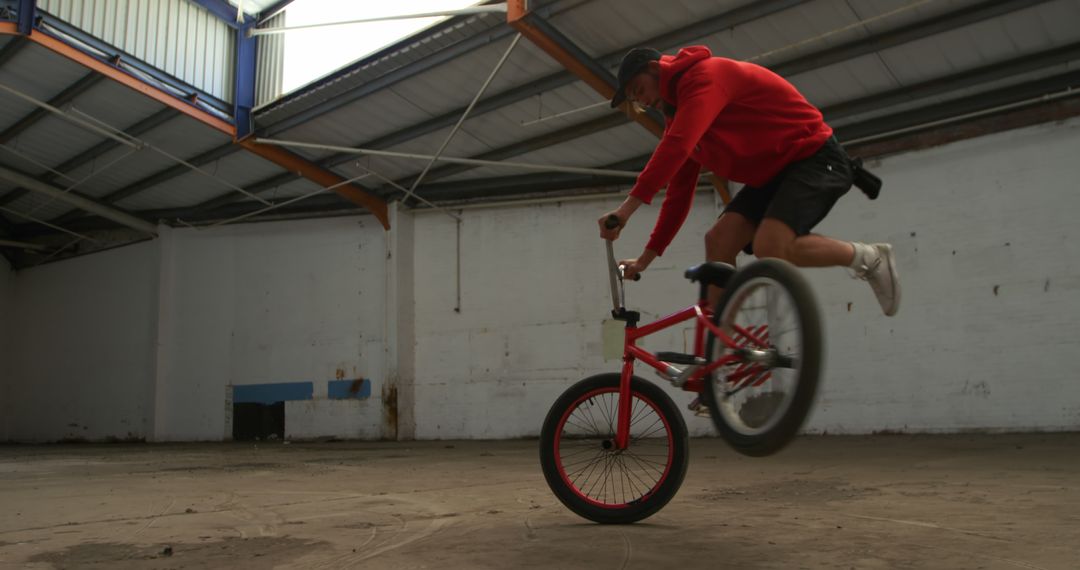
{"x": 614, "y": 447}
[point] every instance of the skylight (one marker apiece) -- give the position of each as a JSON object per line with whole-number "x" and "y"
{"x": 313, "y": 53}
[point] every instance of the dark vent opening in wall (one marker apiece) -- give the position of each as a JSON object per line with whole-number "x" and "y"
{"x": 258, "y": 422}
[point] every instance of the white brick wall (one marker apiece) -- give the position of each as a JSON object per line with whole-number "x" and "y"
{"x": 146, "y": 339}
{"x": 957, "y": 357}
{"x": 80, "y": 340}
{"x": 7, "y": 285}
{"x": 272, "y": 303}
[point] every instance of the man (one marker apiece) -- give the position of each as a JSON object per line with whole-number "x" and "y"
{"x": 746, "y": 124}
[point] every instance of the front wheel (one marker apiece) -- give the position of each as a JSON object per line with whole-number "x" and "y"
{"x": 759, "y": 403}
{"x": 590, "y": 476}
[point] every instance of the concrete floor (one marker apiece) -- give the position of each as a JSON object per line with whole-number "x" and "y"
{"x": 826, "y": 502}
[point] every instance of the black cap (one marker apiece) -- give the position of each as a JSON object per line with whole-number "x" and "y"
{"x": 634, "y": 62}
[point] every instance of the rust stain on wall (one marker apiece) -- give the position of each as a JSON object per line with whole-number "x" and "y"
{"x": 390, "y": 411}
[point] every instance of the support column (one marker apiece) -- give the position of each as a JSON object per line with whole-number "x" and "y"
{"x": 157, "y": 394}
{"x": 399, "y": 393}
{"x": 27, "y": 13}
{"x": 244, "y": 91}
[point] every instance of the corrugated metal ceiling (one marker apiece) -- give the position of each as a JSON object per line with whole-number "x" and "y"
{"x": 602, "y": 28}
{"x": 784, "y": 36}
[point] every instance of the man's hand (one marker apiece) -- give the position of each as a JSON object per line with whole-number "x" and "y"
{"x": 632, "y": 267}
{"x": 610, "y": 233}
{"x": 623, "y": 213}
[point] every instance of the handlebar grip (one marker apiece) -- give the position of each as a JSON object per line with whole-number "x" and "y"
{"x": 612, "y": 222}
{"x": 636, "y": 277}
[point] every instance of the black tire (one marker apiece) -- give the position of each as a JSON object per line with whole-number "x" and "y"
{"x": 773, "y": 439}
{"x": 632, "y": 508}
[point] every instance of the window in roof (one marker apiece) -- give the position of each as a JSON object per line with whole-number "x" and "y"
{"x": 311, "y": 54}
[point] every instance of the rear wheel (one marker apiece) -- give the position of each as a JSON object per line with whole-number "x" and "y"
{"x": 587, "y": 473}
{"x": 759, "y": 403}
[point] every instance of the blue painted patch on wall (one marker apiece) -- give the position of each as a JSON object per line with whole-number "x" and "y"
{"x": 271, "y": 393}
{"x": 358, "y": 389}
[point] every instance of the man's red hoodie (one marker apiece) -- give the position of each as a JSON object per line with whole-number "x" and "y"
{"x": 739, "y": 120}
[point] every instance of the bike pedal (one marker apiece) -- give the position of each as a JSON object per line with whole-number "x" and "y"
{"x": 679, "y": 358}
{"x": 700, "y": 410}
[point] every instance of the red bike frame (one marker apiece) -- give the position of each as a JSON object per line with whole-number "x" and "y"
{"x": 750, "y": 374}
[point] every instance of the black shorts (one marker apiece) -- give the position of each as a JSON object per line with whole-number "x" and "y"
{"x": 801, "y": 194}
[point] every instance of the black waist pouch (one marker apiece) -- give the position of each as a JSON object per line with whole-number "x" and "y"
{"x": 865, "y": 180}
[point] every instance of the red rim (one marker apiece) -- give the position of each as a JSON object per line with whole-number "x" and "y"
{"x": 559, "y": 460}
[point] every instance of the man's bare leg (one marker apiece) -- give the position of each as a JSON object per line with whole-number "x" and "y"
{"x": 775, "y": 239}
{"x": 873, "y": 263}
{"x": 724, "y": 241}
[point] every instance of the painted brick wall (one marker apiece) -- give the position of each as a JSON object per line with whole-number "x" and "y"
{"x": 7, "y": 285}
{"x": 81, "y": 337}
{"x": 986, "y": 236}
{"x": 269, "y": 303}
{"x": 145, "y": 341}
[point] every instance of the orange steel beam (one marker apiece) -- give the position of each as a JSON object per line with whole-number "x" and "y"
{"x": 290, "y": 161}
{"x": 116, "y": 74}
{"x": 295, "y": 163}
{"x": 516, "y": 12}
{"x": 516, "y": 16}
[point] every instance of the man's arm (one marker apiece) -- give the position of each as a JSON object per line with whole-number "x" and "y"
{"x": 701, "y": 100}
{"x": 676, "y": 207}
{"x": 673, "y": 213}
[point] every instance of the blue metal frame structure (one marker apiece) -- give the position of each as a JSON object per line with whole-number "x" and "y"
{"x": 27, "y": 12}
{"x": 244, "y": 71}
{"x": 224, "y": 11}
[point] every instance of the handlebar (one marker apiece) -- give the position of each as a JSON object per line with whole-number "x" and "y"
{"x": 615, "y": 271}
{"x": 611, "y": 223}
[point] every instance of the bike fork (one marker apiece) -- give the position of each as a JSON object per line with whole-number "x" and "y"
{"x": 622, "y": 422}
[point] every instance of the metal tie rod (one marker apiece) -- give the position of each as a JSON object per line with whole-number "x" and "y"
{"x": 454, "y": 160}
{"x": 141, "y": 144}
{"x": 77, "y": 201}
{"x": 493, "y": 8}
{"x": 465, "y": 115}
{"x": 47, "y": 224}
{"x": 67, "y": 117}
{"x": 22, "y": 245}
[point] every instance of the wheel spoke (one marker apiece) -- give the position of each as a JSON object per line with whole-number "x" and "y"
{"x": 600, "y": 475}
{"x": 602, "y": 409}
{"x": 646, "y": 461}
{"x": 661, "y": 427}
{"x": 583, "y": 427}
{"x": 639, "y": 479}
{"x": 644, "y": 465}
{"x": 592, "y": 418}
{"x": 591, "y": 468}
{"x": 612, "y": 404}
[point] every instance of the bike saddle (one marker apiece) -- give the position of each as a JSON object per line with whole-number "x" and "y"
{"x": 711, "y": 273}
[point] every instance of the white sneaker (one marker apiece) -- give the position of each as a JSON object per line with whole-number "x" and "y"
{"x": 877, "y": 265}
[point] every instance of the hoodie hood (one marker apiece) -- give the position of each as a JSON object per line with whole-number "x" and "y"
{"x": 672, "y": 66}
